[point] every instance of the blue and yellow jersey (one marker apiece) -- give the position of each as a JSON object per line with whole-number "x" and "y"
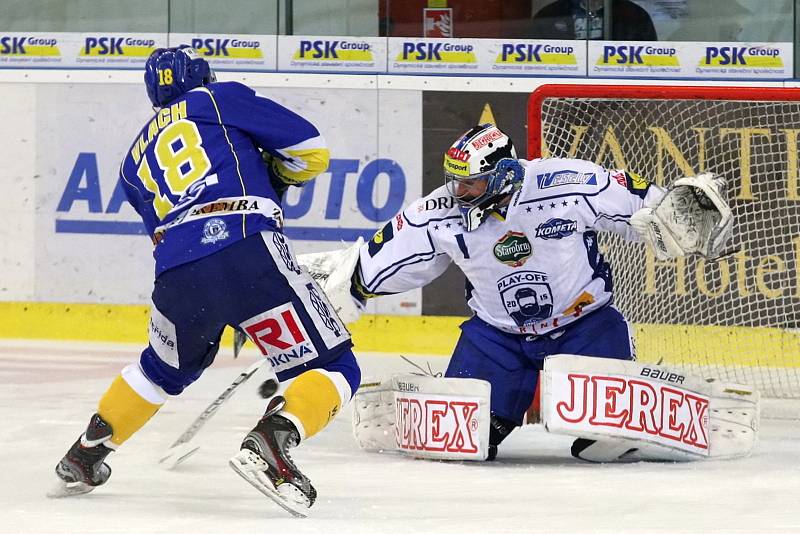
{"x": 196, "y": 175}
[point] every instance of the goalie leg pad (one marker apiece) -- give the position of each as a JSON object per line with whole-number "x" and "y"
{"x": 663, "y": 414}
{"x": 424, "y": 417}
{"x": 373, "y": 415}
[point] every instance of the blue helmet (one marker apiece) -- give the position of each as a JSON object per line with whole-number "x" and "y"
{"x": 170, "y": 72}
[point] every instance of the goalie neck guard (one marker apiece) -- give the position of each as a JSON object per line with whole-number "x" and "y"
{"x": 481, "y": 170}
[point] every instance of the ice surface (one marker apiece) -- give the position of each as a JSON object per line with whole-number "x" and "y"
{"x": 49, "y": 390}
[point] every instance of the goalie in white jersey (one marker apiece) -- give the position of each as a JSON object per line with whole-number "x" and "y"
{"x": 524, "y": 233}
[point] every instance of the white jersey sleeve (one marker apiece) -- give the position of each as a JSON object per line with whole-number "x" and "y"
{"x": 402, "y": 255}
{"x": 625, "y": 194}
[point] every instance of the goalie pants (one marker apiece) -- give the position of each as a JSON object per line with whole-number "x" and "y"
{"x": 256, "y": 285}
{"x": 511, "y": 362}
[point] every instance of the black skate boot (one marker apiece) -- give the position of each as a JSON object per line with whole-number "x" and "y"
{"x": 498, "y": 431}
{"x": 265, "y": 463}
{"x": 82, "y": 469}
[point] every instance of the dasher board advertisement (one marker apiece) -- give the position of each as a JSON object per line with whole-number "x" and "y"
{"x": 331, "y": 54}
{"x": 232, "y": 52}
{"x": 674, "y": 59}
{"x": 486, "y": 57}
{"x": 100, "y": 50}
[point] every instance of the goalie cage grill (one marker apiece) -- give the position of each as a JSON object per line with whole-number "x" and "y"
{"x": 735, "y": 318}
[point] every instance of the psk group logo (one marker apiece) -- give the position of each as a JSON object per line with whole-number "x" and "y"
{"x": 436, "y": 52}
{"x": 527, "y": 56}
{"x": 763, "y": 58}
{"x": 333, "y": 51}
{"x": 29, "y": 49}
{"x": 217, "y": 48}
{"x": 110, "y": 48}
{"x": 638, "y": 57}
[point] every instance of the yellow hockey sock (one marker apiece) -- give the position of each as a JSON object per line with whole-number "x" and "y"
{"x": 124, "y": 410}
{"x": 313, "y": 400}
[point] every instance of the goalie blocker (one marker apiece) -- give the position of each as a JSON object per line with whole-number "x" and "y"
{"x": 617, "y": 410}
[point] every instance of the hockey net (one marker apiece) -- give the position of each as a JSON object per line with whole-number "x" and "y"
{"x": 735, "y": 318}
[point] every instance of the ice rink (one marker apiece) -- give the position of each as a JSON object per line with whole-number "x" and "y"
{"x": 50, "y": 389}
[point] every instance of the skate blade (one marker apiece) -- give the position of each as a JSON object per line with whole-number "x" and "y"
{"x": 63, "y": 489}
{"x": 251, "y": 467}
{"x": 177, "y": 455}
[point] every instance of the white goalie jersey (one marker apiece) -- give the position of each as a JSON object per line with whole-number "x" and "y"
{"x": 534, "y": 268}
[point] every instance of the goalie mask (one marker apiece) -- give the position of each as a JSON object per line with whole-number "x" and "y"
{"x": 481, "y": 170}
{"x": 171, "y": 72}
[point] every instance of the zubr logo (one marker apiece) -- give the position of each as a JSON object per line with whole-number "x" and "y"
{"x": 513, "y": 249}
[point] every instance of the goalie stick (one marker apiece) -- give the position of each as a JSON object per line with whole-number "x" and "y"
{"x": 182, "y": 448}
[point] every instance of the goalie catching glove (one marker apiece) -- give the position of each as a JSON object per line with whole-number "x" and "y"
{"x": 693, "y": 217}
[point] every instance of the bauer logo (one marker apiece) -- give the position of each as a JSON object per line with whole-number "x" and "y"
{"x": 103, "y": 46}
{"x": 742, "y": 57}
{"x": 436, "y": 425}
{"x": 339, "y": 50}
{"x": 515, "y": 53}
{"x": 634, "y": 407}
{"x": 416, "y": 52}
{"x": 214, "y": 47}
{"x": 29, "y": 46}
{"x": 639, "y": 56}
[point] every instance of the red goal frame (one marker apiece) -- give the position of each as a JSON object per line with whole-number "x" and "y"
{"x": 642, "y": 92}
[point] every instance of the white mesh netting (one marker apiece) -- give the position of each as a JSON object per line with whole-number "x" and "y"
{"x": 734, "y": 318}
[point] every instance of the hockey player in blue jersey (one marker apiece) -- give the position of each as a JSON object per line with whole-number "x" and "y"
{"x": 206, "y": 175}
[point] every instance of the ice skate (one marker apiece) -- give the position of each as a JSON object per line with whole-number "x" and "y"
{"x": 265, "y": 463}
{"x": 82, "y": 469}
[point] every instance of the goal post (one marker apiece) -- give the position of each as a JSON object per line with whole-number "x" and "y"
{"x": 735, "y": 318}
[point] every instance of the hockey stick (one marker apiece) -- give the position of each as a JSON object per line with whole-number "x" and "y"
{"x": 182, "y": 449}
